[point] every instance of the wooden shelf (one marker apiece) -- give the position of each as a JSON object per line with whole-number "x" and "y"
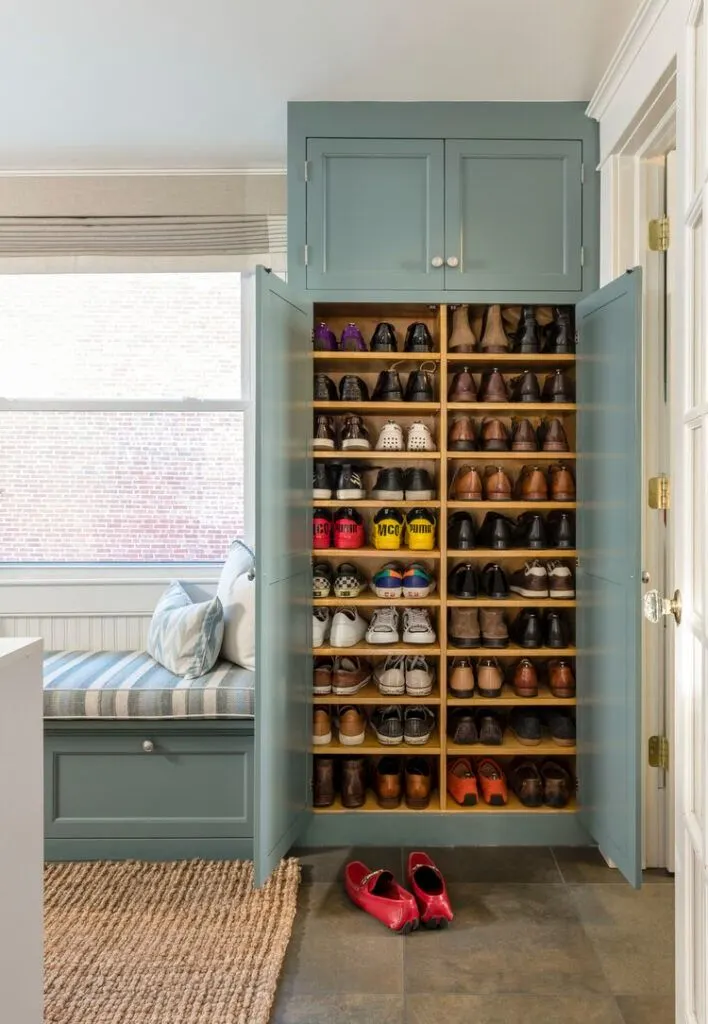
{"x": 372, "y": 601}
{"x": 388, "y": 555}
{"x": 370, "y": 695}
{"x": 542, "y": 553}
{"x": 373, "y": 456}
{"x": 368, "y": 650}
{"x": 394, "y": 409}
{"x": 510, "y": 359}
{"x": 530, "y": 408}
{"x": 334, "y": 361}
{"x": 511, "y": 748}
{"x": 510, "y": 602}
{"x": 512, "y": 651}
{"x": 513, "y": 806}
{"x": 520, "y": 456}
{"x": 371, "y": 503}
{"x": 509, "y": 699}
{"x": 372, "y": 805}
{"x": 372, "y": 746}
{"x": 500, "y": 506}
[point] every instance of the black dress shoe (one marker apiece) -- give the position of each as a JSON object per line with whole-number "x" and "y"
{"x": 525, "y": 388}
{"x": 531, "y": 531}
{"x": 389, "y": 485}
{"x": 388, "y": 387}
{"x": 494, "y": 581}
{"x": 325, "y": 390}
{"x": 418, "y": 338}
{"x": 460, "y": 531}
{"x": 419, "y": 387}
{"x": 418, "y": 485}
{"x": 384, "y": 338}
{"x": 462, "y": 582}
{"x": 528, "y": 631}
{"x": 496, "y": 532}
{"x": 557, "y": 632}
{"x": 353, "y": 389}
{"x": 561, "y": 529}
{"x": 558, "y": 387}
{"x": 527, "y": 338}
{"x": 559, "y": 337}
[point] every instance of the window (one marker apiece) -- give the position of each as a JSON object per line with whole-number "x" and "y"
{"x": 124, "y": 417}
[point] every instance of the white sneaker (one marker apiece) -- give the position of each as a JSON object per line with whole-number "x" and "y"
{"x": 320, "y": 626}
{"x": 560, "y": 580}
{"x": 383, "y": 627}
{"x": 417, "y": 628}
{"x": 419, "y": 676}
{"x": 348, "y": 628}
{"x": 390, "y": 676}
{"x": 390, "y": 438}
{"x": 419, "y": 438}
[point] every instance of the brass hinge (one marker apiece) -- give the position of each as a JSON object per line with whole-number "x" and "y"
{"x": 659, "y": 493}
{"x": 659, "y": 234}
{"x": 659, "y": 752}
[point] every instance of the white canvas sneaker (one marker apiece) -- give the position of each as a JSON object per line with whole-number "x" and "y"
{"x": 390, "y": 676}
{"x": 320, "y": 626}
{"x": 419, "y": 676}
{"x": 419, "y": 438}
{"x": 383, "y": 627}
{"x": 417, "y": 628}
{"x": 348, "y": 628}
{"x": 390, "y": 438}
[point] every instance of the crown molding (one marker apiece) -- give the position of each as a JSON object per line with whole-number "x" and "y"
{"x": 639, "y": 30}
{"x": 162, "y": 172}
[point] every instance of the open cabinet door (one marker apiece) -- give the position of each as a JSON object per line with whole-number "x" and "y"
{"x": 283, "y": 477}
{"x": 608, "y": 632}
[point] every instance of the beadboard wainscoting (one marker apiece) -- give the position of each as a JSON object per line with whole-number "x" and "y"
{"x": 81, "y": 632}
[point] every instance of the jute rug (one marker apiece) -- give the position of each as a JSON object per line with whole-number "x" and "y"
{"x": 183, "y": 943}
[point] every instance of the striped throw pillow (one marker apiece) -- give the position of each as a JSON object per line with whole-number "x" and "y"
{"x": 186, "y": 637}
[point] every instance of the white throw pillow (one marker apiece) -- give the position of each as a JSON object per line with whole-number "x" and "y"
{"x": 237, "y": 593}
{"x": 186, "y": 637}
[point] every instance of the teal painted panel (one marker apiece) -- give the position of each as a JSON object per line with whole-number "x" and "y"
{"x": 284, "y": 576}
{"x": 374, "y": 213}
{"x": 609, "y": 578}
{"x": 108, "y": 787}
{"x": 187, "y": 848}
{"x": 513, "y": 214}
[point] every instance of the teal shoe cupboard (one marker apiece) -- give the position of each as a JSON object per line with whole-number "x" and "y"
{"x": 507, "y": 253}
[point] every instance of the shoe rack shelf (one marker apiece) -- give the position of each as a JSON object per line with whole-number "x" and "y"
{"x": 442, "y": 463}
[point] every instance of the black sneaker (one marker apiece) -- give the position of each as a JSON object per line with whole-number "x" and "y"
{"x": 323, "y": 434}
{"x": 353, "y": 389}
{"x": 349, "y": 484}
{"x": 321, "y": 580}
{"x": 418, "y": 338}
{"x": 348, "y": 581}
{"x": 419, "y": 387}
{"x": 355, "y": 436}
{"x": 388, "y": 387}
{"x": 325, "y": 390}
{"x": 460, "y": 532}
{"x": 418, "y": 485}
{"x": 389, "y": 485}
{"x": 321, "y": 481}
{"x": 496, "y": 532}
{"x": 384, "y": 338}
{"x": 531, "y": 531}
{"x": 495, "y": 582}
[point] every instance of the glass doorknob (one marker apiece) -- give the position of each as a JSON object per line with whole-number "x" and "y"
{"x": 656, "y": 606}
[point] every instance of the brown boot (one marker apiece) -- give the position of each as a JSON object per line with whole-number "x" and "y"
{"x": 493, "y": 387}
{"x": 353, "y": 782}
{"x": 532, "y": 484}
{"x": 417, "y": 783}
{"x": 525, "y": 679}
{"x": 461, "y": 435}
{"x": 561, "y": 680}
{"x": 323, "y": 782}
{"x": 463, "y": 387}
{"x": 493, "y": 627}
{"x": 524, "y": 437}
{"x": 497, "y": 485}
{"x": 388, "y": 782}
{"x": 494, "y": 337}
{"x": 464, "y": 627}
{"x": 562, "y": 483}
{"x": 466, "y": 484}
{"x": 494, "y": 436}
{"x": 462, "y": 338}
{"x": 489, "y": 677}
{"x": 554, "y": 436}
{"x": 461, "y": 682}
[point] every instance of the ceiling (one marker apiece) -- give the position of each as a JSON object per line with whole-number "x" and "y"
{"x": 103, "y": 84}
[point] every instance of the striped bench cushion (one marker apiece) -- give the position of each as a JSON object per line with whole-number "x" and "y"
{"x": 130, "y": 684}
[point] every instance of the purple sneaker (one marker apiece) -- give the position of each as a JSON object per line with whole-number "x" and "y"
{"x": 352, "y": 339}
{"x": 323, "y": 339}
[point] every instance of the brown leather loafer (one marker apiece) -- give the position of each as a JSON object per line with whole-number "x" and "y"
{"x": 461, "y": 435}
{"x": 497, "y": 485}
{"x": 557, "y": 784}
{"x": 323, "y": 795}
{"x": 561, "y": 680}
{"x": 461, "y": 681}
{"x": 388, "y": 782}
{"x": 463, "y": 387}
{"x": 466, "y": 484}
{"x": 353, "y": 782}
{"x": 489, "y": 677}
{"x": 553, "y": 435}
{"x": 532, "y": 484}
{"x": 558, "y": 387}
{"x": 492, "y": 387}
{"x": 525, "y": 679}
{"x": 526, "y": 782}
{"x": 523, "y": 437}
{"x": 562, "y": 483}
{"x": 417, "y": 783}
{"x": 494, "y": 338}
{"x": 494, "y": 436}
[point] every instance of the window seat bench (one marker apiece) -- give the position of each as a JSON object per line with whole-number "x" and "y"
{"x": 139, "y": 763}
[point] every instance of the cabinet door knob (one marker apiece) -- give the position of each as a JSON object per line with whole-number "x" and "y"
{"x": 437, "y": 261}
{"x": 148, "y": 746}
{"x": 452, "y": 261}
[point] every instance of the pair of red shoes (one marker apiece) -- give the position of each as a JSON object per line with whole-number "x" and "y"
{"x": 379, "y": 894}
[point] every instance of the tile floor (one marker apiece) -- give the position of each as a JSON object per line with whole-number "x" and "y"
{"x": 541, "y": 937}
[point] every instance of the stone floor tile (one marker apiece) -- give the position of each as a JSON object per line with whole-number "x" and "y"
{"x": 647, "y": 1009}
{"x": 338, "y": 1009}
{"x": 326, "y": 864}
{"x": 585, "y": 864}
{"x": 633, "y": 935}
{"x": 491, "y": 864}
{"x": 504, "y": 1009}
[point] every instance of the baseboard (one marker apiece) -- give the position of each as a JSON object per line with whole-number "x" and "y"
{"x": 148, "y": 849}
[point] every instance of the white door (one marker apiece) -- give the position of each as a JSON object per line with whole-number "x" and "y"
{"x": 690, "y": 467}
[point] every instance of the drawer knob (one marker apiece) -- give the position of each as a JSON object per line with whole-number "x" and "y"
{"x": 148, "y": 746}
{"x": 452, "y": 261}
{"x": 437, "y": 261}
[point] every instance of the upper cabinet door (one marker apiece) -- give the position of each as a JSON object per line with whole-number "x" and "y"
{"x": 283, "y": 326}
{"x": 375, "y": 214}
{"x": 608, "y": 632}
{"x": 513, "y": 214}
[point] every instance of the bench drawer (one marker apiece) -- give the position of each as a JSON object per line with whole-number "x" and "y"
{"x": 148, "y": 784}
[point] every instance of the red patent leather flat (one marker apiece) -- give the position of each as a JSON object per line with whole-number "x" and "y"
{"x": 378, "y": 893}
{"x": 430, "y": 891}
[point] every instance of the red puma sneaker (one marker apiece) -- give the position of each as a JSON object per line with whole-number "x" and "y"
{"x": 378, "y": 893}
{"x": 428, "y": 887}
